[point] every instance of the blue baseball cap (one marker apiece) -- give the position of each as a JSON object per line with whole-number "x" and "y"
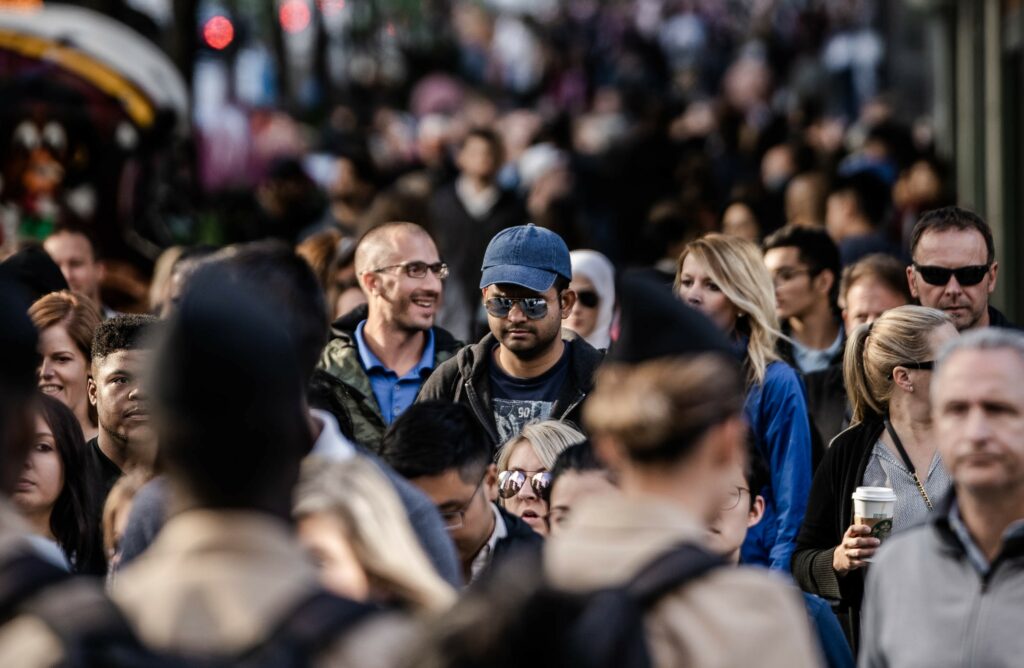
{"x": 527, "y": 256}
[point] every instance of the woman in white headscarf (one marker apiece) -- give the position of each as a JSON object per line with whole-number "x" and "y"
{"x": 593, "y": 279}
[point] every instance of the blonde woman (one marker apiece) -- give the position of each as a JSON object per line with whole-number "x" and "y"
{"x": 524, "y": 469}
{"x": 353, "y": 523}
{"x": 887, "y": 371}
{"x": 726, "y": 279}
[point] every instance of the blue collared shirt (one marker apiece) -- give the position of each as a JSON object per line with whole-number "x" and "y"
{"x": 810, "y": 360}
{"x": 394, "y": 394}
{"x": 975, "y": 555}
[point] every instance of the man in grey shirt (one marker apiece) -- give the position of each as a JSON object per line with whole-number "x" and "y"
{"x": 951, "y": 592}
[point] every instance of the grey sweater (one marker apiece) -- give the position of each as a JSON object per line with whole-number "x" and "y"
{"x": 927, "y": 605}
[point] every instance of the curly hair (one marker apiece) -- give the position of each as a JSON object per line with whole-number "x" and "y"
{"x": 122, "y": 332}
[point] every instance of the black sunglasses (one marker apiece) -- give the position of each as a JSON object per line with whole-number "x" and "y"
{"x": 967, "y": 276}
{"x": 923, "y": 366}
{"x": 588, "y": 298}
{"x": 510, "y": 482}
{"x": 533, "y": 308}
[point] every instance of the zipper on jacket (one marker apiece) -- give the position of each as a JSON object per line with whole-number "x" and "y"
{"x": 573, "y": 405}
{"x": 971, "y": 638}
{"x": 481, "y": 415}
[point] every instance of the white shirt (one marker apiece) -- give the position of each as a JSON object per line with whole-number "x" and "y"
{"x": 331, "y": 443}
{"x": 483, "y": 557}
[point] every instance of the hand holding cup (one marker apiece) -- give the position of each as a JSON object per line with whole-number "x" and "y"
{"x": 855, "y": 550}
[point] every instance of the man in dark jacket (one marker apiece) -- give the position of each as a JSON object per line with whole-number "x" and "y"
{"x": 528, "y": 367}
{"x": 465, "y": 215}
{"x": 381, "y": 354}
{"x": 442, "y": 449}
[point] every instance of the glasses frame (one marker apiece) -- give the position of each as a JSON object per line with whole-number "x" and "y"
{"x": 497, "y": 307}
{"x": 544, "y": 493}
{"x": 460, "y": 512}
{"x": 791, "y": 273}
{"x": 739, "y": 497}
{"x": 959, "y": 272}
{"x": 439, "y": 269}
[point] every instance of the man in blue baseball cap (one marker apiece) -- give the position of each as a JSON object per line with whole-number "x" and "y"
{"x": 528, "y": 367}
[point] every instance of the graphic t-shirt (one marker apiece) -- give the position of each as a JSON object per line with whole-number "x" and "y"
{"x": 516, "y": 401}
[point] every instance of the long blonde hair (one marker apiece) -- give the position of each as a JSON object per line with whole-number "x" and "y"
{"x": 377, "y": 527}
{"x": 899, "y": 336}
{"x": 738, "y": 269}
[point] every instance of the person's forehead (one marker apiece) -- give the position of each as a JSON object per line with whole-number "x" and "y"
{"x": 510, "y": 290}
{"x": 784, "y": 256}
{"x": 447, "y": 486}
{"x": 951, "y": 248}
{"x": 871, "y": 291}
{"x": 976, "y": 375}
{"x": 524, "y": 457}
{"x": 413, "y": 246}
{"x": 128, "y": 360}
{"x": 69, "y": 243}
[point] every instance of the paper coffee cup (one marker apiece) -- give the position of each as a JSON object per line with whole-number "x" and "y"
{"x": 873, "y": 507}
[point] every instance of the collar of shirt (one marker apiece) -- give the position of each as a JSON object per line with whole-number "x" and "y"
{"x": 974, "y": 554}
{"x": 810, "y": 359}
{"x": 372, "y": 363}
{"x": 331, "y": 443}
{"x": 483, "y": 557}
{"x": 478, "y": 204}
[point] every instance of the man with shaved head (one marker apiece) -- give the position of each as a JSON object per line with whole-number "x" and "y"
{"x": 383, "y": 351}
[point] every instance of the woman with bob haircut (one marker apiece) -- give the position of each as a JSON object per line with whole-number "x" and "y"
{"x": 524, "y": 469}
{"x": 887, "y": 371}
{"x": 66, "y": 322}
{"x": 54, "y": 490}
{"x": 354, "y": 525}
{"x": 726, "y": 279}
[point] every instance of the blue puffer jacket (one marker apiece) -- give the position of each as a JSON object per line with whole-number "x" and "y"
{"x": 777, "y": 414}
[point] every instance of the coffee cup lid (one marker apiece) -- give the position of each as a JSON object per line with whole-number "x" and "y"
{"x": 874, "y": 494}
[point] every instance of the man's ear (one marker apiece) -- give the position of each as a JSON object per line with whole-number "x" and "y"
{"x": 756, "y": 513}
{"x": 994, "y": 274}
{"x": 92, "y": 390}
{"x": 912, "y": 281}
{"x": 568, "y": 301}
{"x": 369, "y": 281}
{"x": 491, "y": 483}
{"x": 824, "y": 281}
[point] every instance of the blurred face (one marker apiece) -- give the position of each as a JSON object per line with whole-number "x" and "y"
{"x": 736, "y": 514}
{"x": 739, "y": 221}
{"x": 43, "y": 476}
{"x": 978, "y": 411}
{"x": 408, "y": 304}
{"x": 839, "y": 209}
{"x": 64, "y": 371}
{"x": 699, "y": 290}
{"x": 797, "y": 293}
{"x": 525, "y": 338}
{"x": 526, "y": 504}
{"x": 74, "y": 255}
{"x": 866, "y": 300}
{"x": 476, "y": 159}
{"x": 952, "y": 249}
{"x": 324, "y": 537}
{"x": 116, "y": 390}
{"x": 465, "y": 507}
{"x": 584, "y": 316}
{"x": 569, "y": 489}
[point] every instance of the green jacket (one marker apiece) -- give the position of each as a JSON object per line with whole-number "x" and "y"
{"x": 341, "y": 381}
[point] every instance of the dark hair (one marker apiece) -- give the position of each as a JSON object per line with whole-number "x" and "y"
{"x": 953, "y": 218}
{"x": 579, "y": 457}
{"x": 287, "y": 284}
{"x": 881, "y": 267}
{"x": 433, "y": 437}
{"x": 815, "y": 249}
{"x": 69, "y": 224}
{"x": 493, "y": 140}
{"x": 872, "y": 194}
{"x": 756, "y": 470}
{"x": 561, "y": 284}
{"x": 122, "y": 332}
{"x": 75, "y": 520}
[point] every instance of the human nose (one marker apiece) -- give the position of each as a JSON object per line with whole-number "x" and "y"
{"x": 693, "y": 296}
{"x": 526, "y": 491}
{"x": 976, "y": 428}
{"x": 515, "y": 314}
{"x": 137, "y": 393}
{"x": 953, "y": 286}
{"x": 46, "y": 369}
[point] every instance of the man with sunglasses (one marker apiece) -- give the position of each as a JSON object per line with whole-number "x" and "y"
{"x": 442, "y": 449}
{"x": 954, "y": 267}
{"x": 527, "y": 367}
{"x": 382, "y": 352}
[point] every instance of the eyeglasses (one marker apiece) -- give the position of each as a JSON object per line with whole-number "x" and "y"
{"x": 417, "y": 269}
{"x": 455, "y": 519}
{"x": 923, "y": 366}
{"x": 588, "y": 298}
{"x": 533, "y": 308}
{"x": 966, "y": 276}
{"x": 733, "y": 499}
{"x": 510, "y": 482}
{"x": 787, "y": 274}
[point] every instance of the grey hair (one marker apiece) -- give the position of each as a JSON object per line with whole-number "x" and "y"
{"x": 988, "y": 338}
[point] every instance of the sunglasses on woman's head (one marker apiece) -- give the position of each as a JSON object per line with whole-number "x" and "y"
{"x": 588, "y": 298}
{"x": 510, "y": 482}
{"x": 966, "y": 276}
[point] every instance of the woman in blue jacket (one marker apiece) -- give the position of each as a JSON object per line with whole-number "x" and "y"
{"x": 726, "y": 279}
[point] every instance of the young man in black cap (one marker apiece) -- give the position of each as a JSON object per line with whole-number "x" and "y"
{"x": 528, "y": 367}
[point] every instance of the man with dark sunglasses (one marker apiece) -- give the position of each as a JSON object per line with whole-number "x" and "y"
{"x": 954, "y": 267}
{"x": 442, "y": 449}
{"x": 527, "y": 367}
{"x": 382, "y": 352}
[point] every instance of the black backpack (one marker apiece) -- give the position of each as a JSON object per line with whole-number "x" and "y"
{"x": 94, "y": 633}
{"x": 516, "y": 618}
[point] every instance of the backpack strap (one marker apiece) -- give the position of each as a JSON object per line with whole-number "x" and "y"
{"x": 23, "y": 575}
{"x": 671, "y": 570}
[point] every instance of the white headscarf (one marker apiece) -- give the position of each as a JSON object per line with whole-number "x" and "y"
{"x": 599, "y": 270}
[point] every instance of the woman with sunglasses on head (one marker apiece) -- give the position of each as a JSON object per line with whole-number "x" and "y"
{"x": 887, "y": 370}
{"x": 726, "y": 279}
{"x": 593, "y": 281}
{"x": 54, "y": 491}
{"x": 524, "y": 469}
